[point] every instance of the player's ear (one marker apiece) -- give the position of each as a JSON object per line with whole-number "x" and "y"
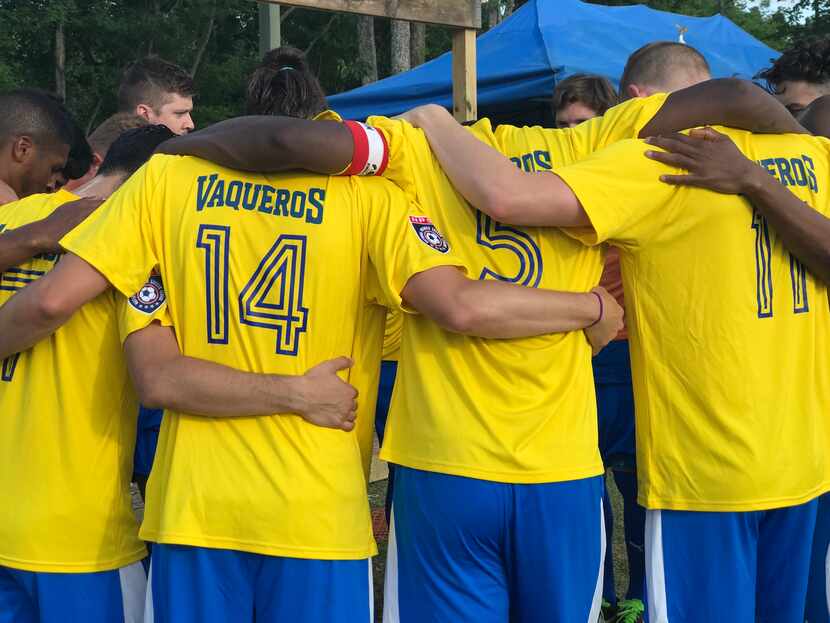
{"x": 143, "y": 110}
{"x": 634, "y": 91}
{"x": 22, "y": 148}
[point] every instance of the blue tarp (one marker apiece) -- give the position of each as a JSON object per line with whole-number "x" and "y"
{"x": 548, "y": 40}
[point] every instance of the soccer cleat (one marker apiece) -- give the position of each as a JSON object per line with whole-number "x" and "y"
{"x": 630, "y": 611}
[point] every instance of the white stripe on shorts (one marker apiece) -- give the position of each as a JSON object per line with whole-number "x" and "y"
{"x": 655, "y": 569}
{"x": 371, "y": 594}
{"x": 596, "y": 603}
{"x": 827, "y": 578}
{"x": 391, "y": 612}
{"x": 133, "y": 590}
{"x": 149, "y": 613}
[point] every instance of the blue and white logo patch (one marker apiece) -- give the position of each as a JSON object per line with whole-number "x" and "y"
{"x": 428, "y": 233}
{"x": 150, "y": 297}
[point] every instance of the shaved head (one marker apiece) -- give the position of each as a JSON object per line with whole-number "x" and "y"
{"x": 36, "y": 114}
{"x": 662, "y": 67}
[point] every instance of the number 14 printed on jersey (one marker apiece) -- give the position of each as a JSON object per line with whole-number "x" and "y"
{"x": 273, "y": 297}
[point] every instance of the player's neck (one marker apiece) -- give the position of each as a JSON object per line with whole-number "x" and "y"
{"x": 101, "y": 186}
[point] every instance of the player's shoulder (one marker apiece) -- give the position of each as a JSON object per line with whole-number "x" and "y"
{"x": 34, "y": 207}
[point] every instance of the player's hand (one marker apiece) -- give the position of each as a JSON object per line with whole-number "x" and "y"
{"x": 609, "y": 324}
{"x": 711, "y": 158}
{"x": 62, "y": 221}
{"x": 327, "y": 400}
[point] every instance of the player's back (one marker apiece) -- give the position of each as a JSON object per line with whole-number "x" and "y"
{"x": 729, "y": 333}
{"x": 269, "y": 275}
{"x": 67, "y": 431}
{"x": 519, "y": 410}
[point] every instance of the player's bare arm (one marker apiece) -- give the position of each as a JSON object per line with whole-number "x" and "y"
{"x": 495, "y": 309}
{"x": 269, "y": 144}
{"x": 42, "y": 307}
{"x": 23, "y": 243}
{"x": 493, "y": 184}
{"x": 714, "y": 162}
{"x": 164, "y": 378}
{"x": 723, "y": 101}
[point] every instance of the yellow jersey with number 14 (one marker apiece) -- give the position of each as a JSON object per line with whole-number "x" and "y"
{"x": 269, "y": 274}
{"x": 68, "y": 426}
{"x": 729, "y": 333}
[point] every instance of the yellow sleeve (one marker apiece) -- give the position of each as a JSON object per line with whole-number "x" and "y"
{"x": 147, "y": 305}
{"x": 621, "y": 122}
{"x": 402, "y": 241}
{"x": 118, "y": 238}
{"x": 621, "y": 192}
{"x": 400, "y": 168}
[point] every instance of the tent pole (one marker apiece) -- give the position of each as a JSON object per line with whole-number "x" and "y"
{"x": 464, "y": 95}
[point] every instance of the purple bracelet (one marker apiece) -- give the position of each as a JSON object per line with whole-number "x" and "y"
{"x": 601, "y": 310}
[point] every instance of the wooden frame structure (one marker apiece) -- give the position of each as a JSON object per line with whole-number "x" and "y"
{"x": 464, "y": 16}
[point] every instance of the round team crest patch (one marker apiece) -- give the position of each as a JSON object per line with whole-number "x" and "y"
{"x": 150, "y": 297}
{"x": 429, "y": 234}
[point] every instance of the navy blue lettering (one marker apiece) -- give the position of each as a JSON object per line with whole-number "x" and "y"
{"x": 298, "y": 204}
{"x": 249, "y": 202}
{"x": 542, "y": 159}
{"x": 812, "y": 182}
{"x": 316, "y": 197}
{"x": 202, "y": 191}
{"x": 281, "y": 202}
{"x": 799, "y": 173}
{"x": 517, "y": 162}
{"x": 267, "y": 195}
{"x": 217, "y": 199}
{"x": 784, "y": 172}
{"x": 234, "y": 194}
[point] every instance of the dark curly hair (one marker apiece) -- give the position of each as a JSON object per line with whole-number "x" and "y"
{"x": 283, "y": 84}
{"x": 808, "y": 60}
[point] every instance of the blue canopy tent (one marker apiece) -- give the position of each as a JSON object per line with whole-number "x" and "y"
{"x": 521, "y": 59}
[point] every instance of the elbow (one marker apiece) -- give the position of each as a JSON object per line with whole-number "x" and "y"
{"x": 499, "y": 203}
{"x": 461, "y": 315}
{"x": 51, "y": 309}
{"x": 149, "y": 388}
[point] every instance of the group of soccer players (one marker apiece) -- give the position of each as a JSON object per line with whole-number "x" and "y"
{"x": 255, "y": 305}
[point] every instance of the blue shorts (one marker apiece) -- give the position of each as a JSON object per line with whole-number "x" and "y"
{"x": 818, "y": 591}
{"x": 475, "y": 551}
{"x": 752, "y": 566}
{"x": 201, "y": 585}
{"x": 146, "y": 441}
{"x": 388, "y": 372}
{"x": 615, "y": 405}
{"x": 103, "y": 597}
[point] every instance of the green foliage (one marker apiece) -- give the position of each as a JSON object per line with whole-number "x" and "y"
{"x": 104, "y": 36}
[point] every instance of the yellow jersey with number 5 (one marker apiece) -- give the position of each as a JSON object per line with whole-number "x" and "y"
{"x": 268, "y": 274}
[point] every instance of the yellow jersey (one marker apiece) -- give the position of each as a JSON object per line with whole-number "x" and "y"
{"x": 68, "y": 428}
{"x": 520, "y": 410}
{"x": 729, "y": 334}
{"x": 269, "y": 274}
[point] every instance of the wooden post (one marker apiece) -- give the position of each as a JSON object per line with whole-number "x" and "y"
{"x": 464, "y": 93}
{"x": 269, "y": 27}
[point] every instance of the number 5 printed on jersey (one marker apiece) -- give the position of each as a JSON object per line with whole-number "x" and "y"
{"x": 272, "y": 298}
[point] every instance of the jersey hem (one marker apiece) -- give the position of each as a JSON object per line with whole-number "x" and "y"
{"x": 62, "y": 567}
{"x": 518, "y": 478}
{"x": 258, "y": 548}
{"x": 658, "y": 503}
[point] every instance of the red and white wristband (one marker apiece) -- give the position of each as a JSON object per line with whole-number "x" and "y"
{"x": 371, "y": 151}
